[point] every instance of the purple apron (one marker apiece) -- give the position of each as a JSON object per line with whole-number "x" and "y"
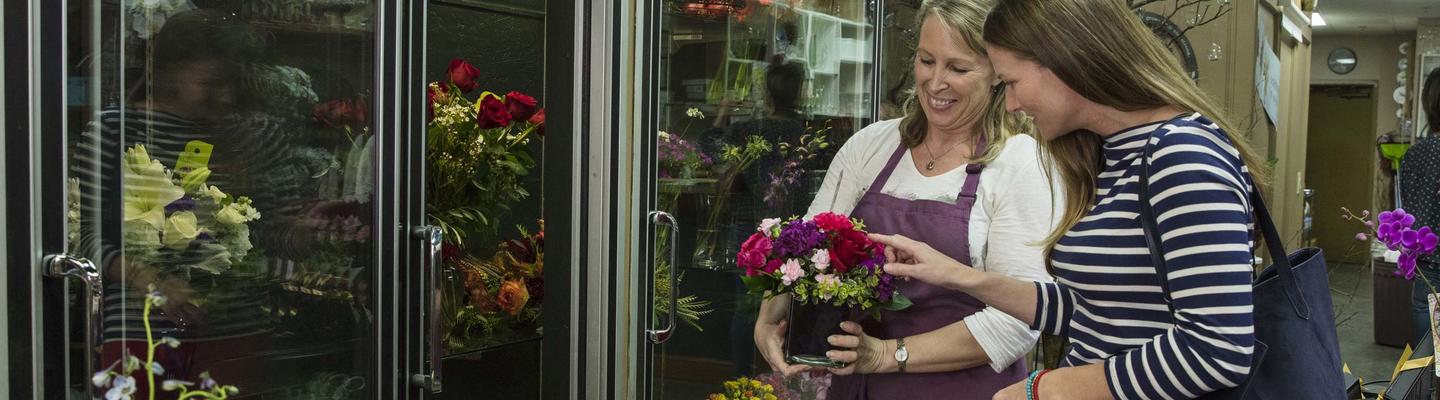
{"x": 946, "y": 227}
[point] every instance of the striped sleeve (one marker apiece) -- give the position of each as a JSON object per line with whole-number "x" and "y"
{"x": 1198, "y": 188}
{"x": 1054, "y": 304}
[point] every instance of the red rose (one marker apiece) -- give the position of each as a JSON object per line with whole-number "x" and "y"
{"x": 849, "y": 248}
{"x": 521, "y": 106}
{"x": 539, "y": 120}
{"x": 773, "y": 265}
{"x": 833, "y": 222}
{"x": 492, "y": 112}
{"x": 463, "y": 75}
{"x": 757, "y": 242}
{"x": 750, "y": 261}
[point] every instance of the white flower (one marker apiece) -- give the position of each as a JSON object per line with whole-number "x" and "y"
{"x": 132, "y": 363}
{"x": 230, "y": 216}
{"x": 821, "y": 259}
{"x": 170, "y": 341}
{"x": 124, "y": 389}
{"x": 694, "y": 113}
{"x": 101, "y": 379}
{"x": 156, "y": 369}
{"x": 664, "y": 136}
{"x": 767, "y": 224}
{"x": 180, "y": 229}
{"x": 215, "y": 193}
{"x": 792, "y": 271}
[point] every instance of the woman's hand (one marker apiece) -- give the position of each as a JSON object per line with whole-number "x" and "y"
{"x": 1012, "y": 392}
{"x": 861, "y": 353}
{"x": 911, "y": 259}
{"x": 770, "y": 338}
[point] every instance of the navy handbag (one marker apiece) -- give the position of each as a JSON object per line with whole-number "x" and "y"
{"x": 1297, "y": 351}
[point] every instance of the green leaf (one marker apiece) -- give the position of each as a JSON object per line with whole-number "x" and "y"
{"x": 897, "y": 302}
{"x": 758, "y": 284}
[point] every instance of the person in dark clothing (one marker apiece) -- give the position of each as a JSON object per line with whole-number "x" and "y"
{"x": 1419, "y": 180}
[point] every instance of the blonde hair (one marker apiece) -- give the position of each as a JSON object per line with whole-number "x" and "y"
{"x": 965, "y": 20}
{"x": 1111, "y": 58}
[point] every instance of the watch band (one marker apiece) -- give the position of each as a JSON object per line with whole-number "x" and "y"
{"x": 899, "y": 350}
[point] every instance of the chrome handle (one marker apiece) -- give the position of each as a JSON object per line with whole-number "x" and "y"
{"x": 662, "y": 335}
{"x": 64, "y": 266}
{"x": 432, "y": 237}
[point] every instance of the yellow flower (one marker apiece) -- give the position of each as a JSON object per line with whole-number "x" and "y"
{"x": 180, "y": 229}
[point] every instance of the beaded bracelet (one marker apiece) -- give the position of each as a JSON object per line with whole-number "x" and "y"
{"x": 1030, "y": 385}
{"x": 1034, "y": 389}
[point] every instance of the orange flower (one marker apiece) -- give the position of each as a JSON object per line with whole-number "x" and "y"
{"x": 513, "y": 296}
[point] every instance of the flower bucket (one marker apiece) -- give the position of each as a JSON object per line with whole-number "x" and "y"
{"x": 809, "y": 327}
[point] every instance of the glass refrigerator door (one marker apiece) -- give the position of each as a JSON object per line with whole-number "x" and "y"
{"x": 220, "y": 170}
{"x": 754, "y": 98}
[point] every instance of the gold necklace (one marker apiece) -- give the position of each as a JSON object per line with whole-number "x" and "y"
{"x": 930, "y": 166}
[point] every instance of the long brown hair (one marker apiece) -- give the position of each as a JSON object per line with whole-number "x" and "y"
{"x": 1108, "y": 56}
{"x": 965, "y": 20}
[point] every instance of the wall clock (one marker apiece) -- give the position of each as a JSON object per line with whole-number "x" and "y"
{"x": 1342, "y": 60}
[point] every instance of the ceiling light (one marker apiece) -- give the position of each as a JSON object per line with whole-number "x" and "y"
{"x": 1317, "y": 20}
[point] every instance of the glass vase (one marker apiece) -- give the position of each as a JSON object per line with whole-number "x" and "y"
{"x": 808, "y": 328}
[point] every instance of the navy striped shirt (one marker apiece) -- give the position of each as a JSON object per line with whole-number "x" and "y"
{"x": 1107, "y": 297}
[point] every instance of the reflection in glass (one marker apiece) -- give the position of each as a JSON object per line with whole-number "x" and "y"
{"x": 755, "y": 98}
{"x": 223, "y": 175}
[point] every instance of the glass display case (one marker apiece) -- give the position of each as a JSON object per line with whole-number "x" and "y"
{"x": 754, "y": 99}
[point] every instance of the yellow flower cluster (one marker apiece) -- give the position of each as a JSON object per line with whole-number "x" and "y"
{"x": 746, "y": 389}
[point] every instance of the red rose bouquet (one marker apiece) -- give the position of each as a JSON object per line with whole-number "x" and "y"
{"x": 824, "y": 260}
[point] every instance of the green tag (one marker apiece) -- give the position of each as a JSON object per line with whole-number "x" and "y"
{"x": 195, "y": 156}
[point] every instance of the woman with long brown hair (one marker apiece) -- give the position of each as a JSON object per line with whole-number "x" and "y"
{"x": 956, "y": 168}
{"x": 1111, "y": 104}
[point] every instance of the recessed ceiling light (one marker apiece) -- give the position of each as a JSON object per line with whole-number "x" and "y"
{"x": 1317, "y": 20}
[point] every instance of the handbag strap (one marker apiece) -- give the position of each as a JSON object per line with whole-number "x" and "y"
{"x": 1282, "y": 266}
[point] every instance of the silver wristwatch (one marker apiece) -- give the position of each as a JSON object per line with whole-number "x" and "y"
{"x": 901, "y": 355}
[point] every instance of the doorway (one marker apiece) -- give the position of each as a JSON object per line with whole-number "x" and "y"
{"x": 1341, "y": 167}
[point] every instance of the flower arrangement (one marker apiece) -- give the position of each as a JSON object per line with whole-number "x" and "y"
{"x": 824, "y": 260}
{"x": 679, "y": 158}
{"x": 746, "y": 389}
{"x": 287, "y": 90}
{"x": 119, "y": 376}
{"x": 478, "y": 152}
{"x": 510, "y": 286}
{"x": 173, "y": 219}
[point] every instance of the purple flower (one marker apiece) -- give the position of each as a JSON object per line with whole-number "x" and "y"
{"x": 1428, "y": 240}
{"x": 797, "y": 238}
{"x": 185, "y": 203}
{"x": 1406, "y": 265}
{"x": 1360, "y": 237}
{"x": 1409, "y": 238}
{"x": 886, "y": 289}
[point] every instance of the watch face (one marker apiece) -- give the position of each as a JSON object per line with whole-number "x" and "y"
{"x": 902, "y": 355}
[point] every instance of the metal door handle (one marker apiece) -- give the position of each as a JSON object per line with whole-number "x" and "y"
{"x": 63, "y": 266}
{"x": 662, "y": 335}
{"x": 432, "y": 238}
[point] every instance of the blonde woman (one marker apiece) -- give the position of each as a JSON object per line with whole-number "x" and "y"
{"x": 1101, "y": 98}
{"x": 956, "y": 171}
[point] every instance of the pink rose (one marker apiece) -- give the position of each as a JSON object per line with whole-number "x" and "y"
{"x": 757, "y": 242}
{"x": 750, "y": 261}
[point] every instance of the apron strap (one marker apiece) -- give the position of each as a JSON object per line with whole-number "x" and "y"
{"x": 884, "y": 177}
{"x": 972, "y": 173}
